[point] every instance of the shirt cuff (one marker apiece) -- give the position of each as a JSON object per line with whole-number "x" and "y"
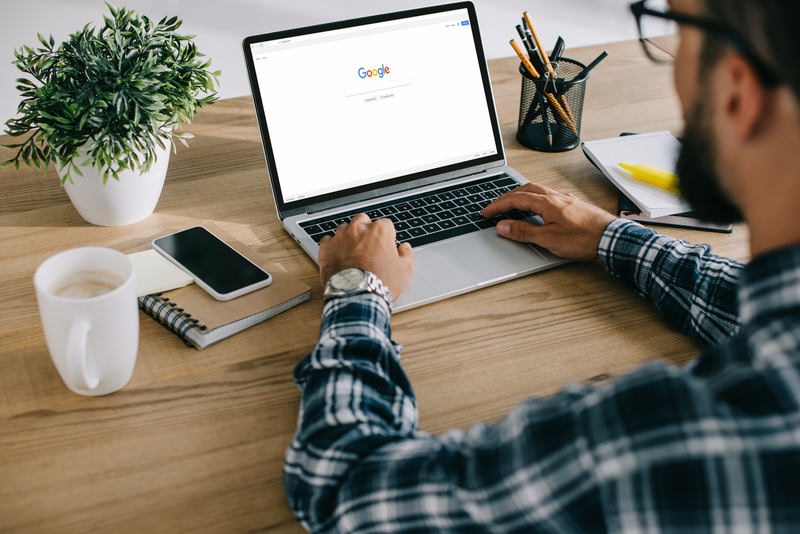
{"x": 610, "y": 241}
{"x": 365, "y": 314}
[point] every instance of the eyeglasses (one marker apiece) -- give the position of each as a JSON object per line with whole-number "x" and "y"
{"x": 653, "y": 24}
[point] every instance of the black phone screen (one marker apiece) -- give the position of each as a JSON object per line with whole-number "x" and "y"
{"x": 211, "y": 260}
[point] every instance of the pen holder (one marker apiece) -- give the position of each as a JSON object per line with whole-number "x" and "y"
{"x": 550, "y": 109}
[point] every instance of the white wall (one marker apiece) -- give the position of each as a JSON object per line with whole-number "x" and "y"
{"x": 221, "y": 25}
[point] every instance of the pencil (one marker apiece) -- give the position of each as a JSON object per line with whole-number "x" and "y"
{"x": 550, "y": 97}
{"x": 548, "y": 65}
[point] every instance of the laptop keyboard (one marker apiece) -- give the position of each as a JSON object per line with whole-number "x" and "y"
{"x": 429, "y": 217}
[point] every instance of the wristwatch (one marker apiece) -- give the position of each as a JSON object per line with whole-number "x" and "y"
{"x": 355, "y": 282}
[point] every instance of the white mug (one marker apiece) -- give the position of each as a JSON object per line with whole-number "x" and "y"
{"x": 93, "y": 341}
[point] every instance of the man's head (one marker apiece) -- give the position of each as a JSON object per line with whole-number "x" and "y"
{"x": 732, "y": 114}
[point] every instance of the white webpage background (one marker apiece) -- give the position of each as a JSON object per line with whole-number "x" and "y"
{"x": 324, "y": 141}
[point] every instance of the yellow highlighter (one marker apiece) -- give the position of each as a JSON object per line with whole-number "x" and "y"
{"x": 651, "y": 175}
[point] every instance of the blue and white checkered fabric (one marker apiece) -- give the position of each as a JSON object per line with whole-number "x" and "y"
{"x": 713, "y": 447}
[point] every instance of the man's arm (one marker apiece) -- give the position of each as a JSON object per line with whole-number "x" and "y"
{"x": 693, "y": 289}
{"x": 358, "y": 462}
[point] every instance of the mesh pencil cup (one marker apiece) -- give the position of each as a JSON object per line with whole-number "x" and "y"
{"x": 550, "y": 110}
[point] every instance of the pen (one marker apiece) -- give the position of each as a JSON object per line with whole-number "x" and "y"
{"x": 533, "y": 72}
{"x": 550, "y": 69}
{"x": 651, "y": 175}
{"x": 585, "y": 72}
{"x": 558, "y": 49}
{"x": 546, "y": 120}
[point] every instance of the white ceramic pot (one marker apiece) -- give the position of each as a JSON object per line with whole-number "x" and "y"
{"x": 119, "y": 203}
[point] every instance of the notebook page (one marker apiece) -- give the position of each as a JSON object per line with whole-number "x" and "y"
{"x": 658, "y": 149}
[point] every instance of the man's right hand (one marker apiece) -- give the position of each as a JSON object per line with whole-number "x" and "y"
{"x": 572, "y": 228}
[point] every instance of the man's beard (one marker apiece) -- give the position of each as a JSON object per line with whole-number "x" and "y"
{"x": 696, "y": 168}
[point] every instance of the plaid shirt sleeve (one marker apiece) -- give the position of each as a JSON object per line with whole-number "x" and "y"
{"x": 712, "y": 447}
{"x": 694, "y": 290}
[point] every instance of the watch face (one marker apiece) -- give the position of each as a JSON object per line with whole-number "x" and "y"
{"x": 348, "y": 279}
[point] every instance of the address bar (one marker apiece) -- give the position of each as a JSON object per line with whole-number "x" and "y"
{"x": 362, "y": 89}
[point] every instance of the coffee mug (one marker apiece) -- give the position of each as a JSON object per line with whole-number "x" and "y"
{"x": 87, "y": 302}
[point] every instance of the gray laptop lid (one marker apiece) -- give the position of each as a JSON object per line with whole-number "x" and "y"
{"x": 361, "y": 108}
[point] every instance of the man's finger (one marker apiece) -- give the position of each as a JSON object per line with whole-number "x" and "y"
{"x": 515, "y": 201}
{"x": 518, "y": 231}
{"x": 531, "y": 187}
{"x": 406, "y": 253}
{"x": 325, "y": 239}
{"x": 342, "y": 227}
{"x": 361, "y": 218}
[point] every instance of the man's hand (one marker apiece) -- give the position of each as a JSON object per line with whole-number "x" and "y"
{"x": 368, "y": 246}
{"x": 572, "y": 228}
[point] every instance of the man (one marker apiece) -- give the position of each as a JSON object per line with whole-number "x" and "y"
{"x": 712, "y": 447}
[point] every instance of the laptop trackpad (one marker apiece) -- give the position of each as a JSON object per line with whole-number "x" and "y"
{"x": 474, "y": 259}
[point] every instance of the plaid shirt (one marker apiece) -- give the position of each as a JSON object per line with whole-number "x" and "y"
{"x": 712, "y": 447}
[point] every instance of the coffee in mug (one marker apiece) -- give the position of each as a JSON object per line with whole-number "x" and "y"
{"x": 90, "y": 315}
{"x": 86, "y": 284}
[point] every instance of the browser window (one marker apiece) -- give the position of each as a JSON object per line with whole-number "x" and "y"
{"x": 351, "y": 107}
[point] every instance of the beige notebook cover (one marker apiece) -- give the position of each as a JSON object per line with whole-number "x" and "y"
{"x": 198, "y": 318}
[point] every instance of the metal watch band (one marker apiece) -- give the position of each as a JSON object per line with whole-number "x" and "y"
{"x": 376, "y": 285}
{"x": 370, "y": 284}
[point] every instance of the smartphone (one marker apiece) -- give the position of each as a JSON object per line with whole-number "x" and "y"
{"x": 216, "y": 266}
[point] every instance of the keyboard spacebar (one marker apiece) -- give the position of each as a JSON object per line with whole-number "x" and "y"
{"x": 441, "y": 236}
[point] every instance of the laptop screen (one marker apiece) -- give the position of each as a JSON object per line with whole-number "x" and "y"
{"x": 372, "y": 102}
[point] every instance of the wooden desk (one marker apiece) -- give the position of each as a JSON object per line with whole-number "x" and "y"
{"x": 195, "y": 442}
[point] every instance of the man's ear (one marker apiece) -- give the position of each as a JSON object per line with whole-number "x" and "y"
{"x": 743, "y": 98}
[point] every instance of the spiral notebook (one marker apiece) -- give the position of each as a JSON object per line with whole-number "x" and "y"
{"x": 200, "y": 320}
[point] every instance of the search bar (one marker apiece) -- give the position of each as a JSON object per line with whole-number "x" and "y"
{"x": 371, "y": 88}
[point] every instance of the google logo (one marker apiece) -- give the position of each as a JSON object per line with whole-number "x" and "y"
{"x": 366, "y": 73}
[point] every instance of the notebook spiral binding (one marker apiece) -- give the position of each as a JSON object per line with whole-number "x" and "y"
{"x": 170, "y": 316}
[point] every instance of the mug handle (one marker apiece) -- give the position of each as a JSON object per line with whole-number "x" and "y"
{"x": 76, "y": 356}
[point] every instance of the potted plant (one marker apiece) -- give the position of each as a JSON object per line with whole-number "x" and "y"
{"x": 103, "y": 108}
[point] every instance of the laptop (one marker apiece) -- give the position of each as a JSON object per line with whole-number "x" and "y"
{"x": 392, "y": 115}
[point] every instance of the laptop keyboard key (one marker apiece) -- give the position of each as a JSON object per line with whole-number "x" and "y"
{"x": 401, "y": 226}
{"x": 458, "y": 193}
{"x": 473, "y": 208}
{"x": 374, "y": 214}
{"x": 405, "y": 206}
{"x": 312, "y": 229}
{"x": 473, "y": 189}
{"x": 487, "y": 186}
{"x": 430, "y": 219}
{"x": 431, "y": 228}
{"x": 475, "y": 217}
{"x": 445, "y": 215}
{"x": 475, "y": 198}
{"x": 447, "y": 224}
{"x": 434, "y": 208}
{"x": 392, "y": 218}
{"x": 416, "y": 222}
{"x": 459, "y": 211}
{"x": 389, "y": 210}
{"x": 417, "y": 203}
{"x": 491, "y": 195}
{"x": 416, "y": 231}
{"x": 403, "y": 236}
{"x": 440, "y": 236}
{"x": 419, "y": 212}
{"x": 433, "y": 199}
{"x": 318, "y": 237}
{"x": 328, "y": 225}
{"x": 448, "y": 205}
{"x": 517, "y": 216}
{"x": 447, "y": 196}
{"x": 486, "y": 223}
{"x": 404, "y": 215}
{"x": 462, "y": 201}
{"x": 461, "y": 221}
{"x": 505, "y": 182}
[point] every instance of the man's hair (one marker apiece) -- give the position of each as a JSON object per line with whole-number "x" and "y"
{"x": 770, "y": 27}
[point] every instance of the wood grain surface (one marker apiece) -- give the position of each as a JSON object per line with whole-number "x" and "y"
{"x": 195, "y": 442}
